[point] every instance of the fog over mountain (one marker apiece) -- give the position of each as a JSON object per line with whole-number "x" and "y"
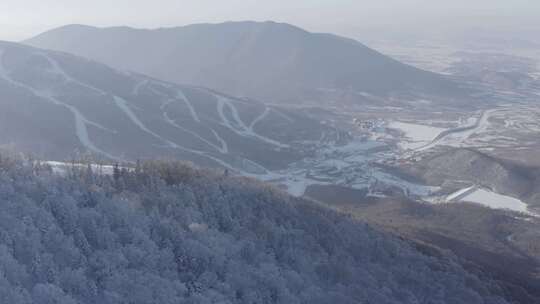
{"x": 269, "y": 152}
{"x": 356, "y": 18}
{"x": 269, "y": 61}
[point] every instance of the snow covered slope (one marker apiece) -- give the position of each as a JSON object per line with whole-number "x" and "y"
{"x": 474, "y": 167}
{"x": 496, "y": 201}
{"x": 59, "y": 106}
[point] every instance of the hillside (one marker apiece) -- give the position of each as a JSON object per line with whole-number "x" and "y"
{"x": 269, "y": 61}
{"x": 503, "y": 244}
{"x": 168, "y": 233}
{"x": 471, "y": 167}
{"x": 58, "y": 106}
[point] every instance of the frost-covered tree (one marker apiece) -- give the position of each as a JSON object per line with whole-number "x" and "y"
{"x": 169, "y": 233}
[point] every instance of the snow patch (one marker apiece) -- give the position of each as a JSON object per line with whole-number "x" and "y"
{"x": 496, "y": 201}
{"x": 488, "y": 198}
{"x": 62, "y": 168}
{"x": 416, "y": 135}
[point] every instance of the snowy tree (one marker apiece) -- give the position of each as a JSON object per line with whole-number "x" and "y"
{"x": 169, "y": 233}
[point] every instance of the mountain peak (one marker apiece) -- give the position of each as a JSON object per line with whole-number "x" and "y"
{"x": 270, "y": 61}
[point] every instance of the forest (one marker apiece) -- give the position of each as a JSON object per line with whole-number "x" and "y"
{"x": 167, "y": 232}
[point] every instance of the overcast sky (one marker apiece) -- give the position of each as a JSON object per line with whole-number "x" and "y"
{"x": 21, "y": 19}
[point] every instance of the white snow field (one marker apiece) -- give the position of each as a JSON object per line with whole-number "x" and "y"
{"x": 459, "y": 194}
{"x": 62, "y": 168}
{"x": 489, "y": 199}
{"x": 416, "y": 135}
{"x": 496, "y": 201}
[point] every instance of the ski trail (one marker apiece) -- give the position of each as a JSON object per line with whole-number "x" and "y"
{"x": 222, "y": 149}
{"x": 82, "y": 132}
{"x": 221, "y": 111}
{"x": 259, "y": 118}
{"x": 67, "y": 78}
{"x": 122, "y": 104}
{"x": 283, "y": 115}
{"x": 223, "y": 143}
{"x": 138, "y": 87}
{"x": 238, "y": 125}
{"x": 181, "y": 95}
{"x": 225, "y": 102}
{"x": 81, "y": 122}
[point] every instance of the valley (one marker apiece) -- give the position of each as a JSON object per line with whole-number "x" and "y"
{"x": 505, "y": 126}
{"x": 393, "y": 141}
{"x": 440, "y": 152}
{"x": 374, "y": 145}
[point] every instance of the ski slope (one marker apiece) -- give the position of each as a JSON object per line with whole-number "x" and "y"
{"x": 237, "y": 125}
{"x": 222, "y": 148}
{"x": 122, "y": 104}
{"x": 182, "y": 96}
{"x": 81, "y": 121}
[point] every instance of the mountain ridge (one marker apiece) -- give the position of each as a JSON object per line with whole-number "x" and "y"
{"x": 264, "y": 60}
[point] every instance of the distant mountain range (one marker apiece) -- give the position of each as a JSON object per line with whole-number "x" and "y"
{"x": 269, "y": 61}
{"x": 56, "y": 105}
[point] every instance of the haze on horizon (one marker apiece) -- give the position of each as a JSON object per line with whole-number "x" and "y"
{"x": 22, "y": 19}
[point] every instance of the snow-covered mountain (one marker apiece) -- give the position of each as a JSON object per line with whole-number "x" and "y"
{"x": 170, "y": 234}
{"x": 55, "y": 105}
{"x": 268, "y": 61}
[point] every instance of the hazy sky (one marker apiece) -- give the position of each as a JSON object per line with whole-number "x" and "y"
{"x": 20, "y": 19}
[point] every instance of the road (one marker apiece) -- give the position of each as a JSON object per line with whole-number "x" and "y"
{"x": 480, "y": 123}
